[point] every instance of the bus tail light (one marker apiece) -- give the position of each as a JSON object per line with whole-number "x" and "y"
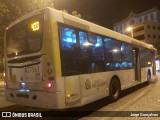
{"x": 49, "y": 85}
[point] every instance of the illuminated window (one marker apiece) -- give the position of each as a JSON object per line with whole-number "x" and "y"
{"x": 98, "y": 49}
{"x": 68, "y": 38}
{"x": 112, "y": 54}
{"x": 126, "y": 54}
{"x": 69, "y": 51}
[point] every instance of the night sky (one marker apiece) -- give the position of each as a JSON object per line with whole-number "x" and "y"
{"x": 106, "y": 12}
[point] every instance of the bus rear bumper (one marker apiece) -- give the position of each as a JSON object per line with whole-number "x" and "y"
{"x": 38, "y": 99}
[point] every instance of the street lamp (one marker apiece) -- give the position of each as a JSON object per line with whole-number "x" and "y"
{"x": 130, "y": 29}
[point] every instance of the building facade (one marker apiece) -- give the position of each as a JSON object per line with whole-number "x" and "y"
{"x": 145, "y": 26}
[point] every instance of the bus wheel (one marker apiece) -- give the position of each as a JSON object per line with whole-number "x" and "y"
{"x": 114, "y": 90}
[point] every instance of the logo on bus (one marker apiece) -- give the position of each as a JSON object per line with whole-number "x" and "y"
{"x": 88, "y": 84}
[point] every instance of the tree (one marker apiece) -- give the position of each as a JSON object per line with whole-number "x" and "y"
{"x": 75, "y": 13}
{"x": 65, "y": 11}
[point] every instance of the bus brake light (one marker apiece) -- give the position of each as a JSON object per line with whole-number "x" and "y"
{"x": 49, "y": 85}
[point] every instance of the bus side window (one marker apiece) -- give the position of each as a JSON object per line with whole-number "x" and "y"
{"x": 143, "y": 57}
{"x": 108, "y": 54}
{"x": 98, "y": 52}
{"x": 69, "y": 51}
{"x": 85, "y": 46}
{"x": 86, "y": 54}
{"x": 112, "y": 54}
{"x": 126, "y": 54}
{"x": 98, "y": 49}
{"x": 68, "y": 38}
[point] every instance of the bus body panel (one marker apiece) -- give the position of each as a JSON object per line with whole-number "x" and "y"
{"x": 72, "y": 89}
{"x": 37, "y": 99}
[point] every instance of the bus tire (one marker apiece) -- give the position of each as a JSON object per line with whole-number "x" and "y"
{"x": 114, "y": 89}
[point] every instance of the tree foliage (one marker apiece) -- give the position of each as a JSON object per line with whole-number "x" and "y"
{"x": 10, "y": 10}
{"x": 75, "y": 13}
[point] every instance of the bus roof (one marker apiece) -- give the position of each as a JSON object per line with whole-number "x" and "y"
{"x": 88, "y": 26}
{"x": 71, "y": 20}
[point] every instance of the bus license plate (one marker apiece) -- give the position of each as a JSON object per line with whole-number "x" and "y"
{"x": 32, "y": 69}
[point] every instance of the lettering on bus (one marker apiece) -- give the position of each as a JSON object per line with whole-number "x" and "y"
{"x": 88, "y": 84}
{"x": 95, "y": 84}
{"x": 32, "y": 69}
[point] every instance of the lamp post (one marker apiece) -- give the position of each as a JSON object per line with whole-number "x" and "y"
{"x": 130, "y": 29}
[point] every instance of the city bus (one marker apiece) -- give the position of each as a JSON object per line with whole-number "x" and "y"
{"x": 54, "y": 60}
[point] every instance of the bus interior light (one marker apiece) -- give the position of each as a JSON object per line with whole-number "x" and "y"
{"x": 87, "y": 44}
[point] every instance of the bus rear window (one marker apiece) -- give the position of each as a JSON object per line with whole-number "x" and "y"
{"x": 25, "y": 37}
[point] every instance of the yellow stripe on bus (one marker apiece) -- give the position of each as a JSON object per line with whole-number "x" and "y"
{"x": 56, "y": 49}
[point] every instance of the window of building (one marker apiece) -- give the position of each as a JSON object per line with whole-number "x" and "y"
{"x": 158, "y": 45}
{"x": 140, "y": 19}
{"x": 154, "y": 36}
{"x": 148, "y": 26}
{"x": 154, "y": 27}
{"x": 117, "y": 29}
{"x": 151, "y": 16}
{"x": 146, "y": 18}
{"x": 124, "y": 26}
{"x": 140, "y": 37}
{"x": 148, "y": 35}
{"x": 120, "y": 27}
{"x": 138, "y": 29}
{"x": 132, "y": 22}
